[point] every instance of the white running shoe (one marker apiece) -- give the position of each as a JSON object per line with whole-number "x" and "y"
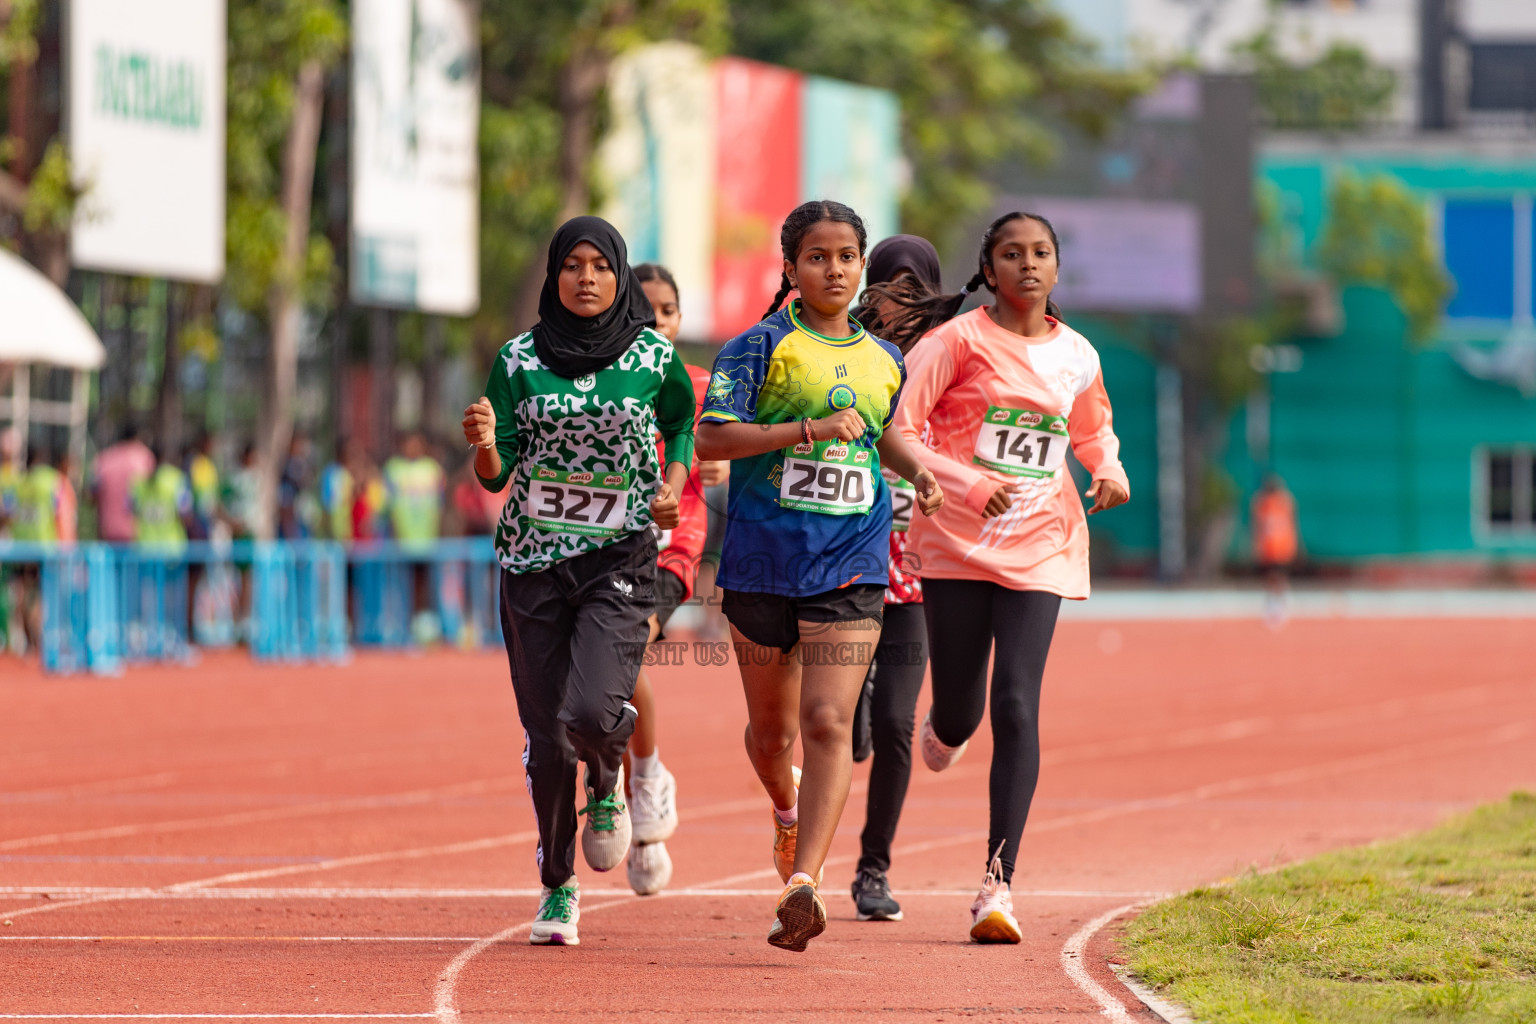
{"x": 559, "y": 910}
{"x": 653, "y": 805}
{"x": 605, "y": 840}
{"x": 992, "y": 917}
{"x": 936, "y": 755}
{"x": 650, "y": 868}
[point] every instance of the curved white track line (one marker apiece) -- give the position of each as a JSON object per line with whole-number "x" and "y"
{"x": 1072, "y": 962}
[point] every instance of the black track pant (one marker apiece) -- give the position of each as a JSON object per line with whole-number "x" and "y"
{"x": 965, "y": 619}
{"x": 575, "y": 634}
{"x": 898, "y": 673}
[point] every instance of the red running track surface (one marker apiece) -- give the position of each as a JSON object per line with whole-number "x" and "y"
{"x": 237, "y": 842}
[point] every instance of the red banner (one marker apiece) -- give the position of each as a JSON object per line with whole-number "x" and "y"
{"x": 757, "y": 184}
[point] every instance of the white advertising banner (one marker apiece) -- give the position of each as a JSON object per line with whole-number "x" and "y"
{"x": 146, "y": 136}
{"x": 415, "y": 161}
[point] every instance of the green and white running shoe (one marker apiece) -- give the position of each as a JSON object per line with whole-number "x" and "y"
{"x": 559, "y": 910}
{"x": 605, "y": 840}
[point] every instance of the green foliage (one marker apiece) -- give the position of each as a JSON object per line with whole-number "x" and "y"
{"x": 18, "y": 34}
{"x": 980, "y": 83}
{"x": 1378, "y": 234}
{"x": 1434, "y": 927}
{"x": 52, "y": 194}
{"x": 1341, "y": 91}
{"x": 519, "y": 199}
{"x": 269, "y": 40}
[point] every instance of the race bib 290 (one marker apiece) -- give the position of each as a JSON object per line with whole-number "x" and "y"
{"x": 831, "y": 477}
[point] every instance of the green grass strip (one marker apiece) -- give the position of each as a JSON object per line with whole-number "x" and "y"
{"x": 1435, "y": 927}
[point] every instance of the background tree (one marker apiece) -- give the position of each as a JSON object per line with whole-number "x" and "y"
{"x": 1340, "y": 91}
{"x": 279, "y": 51}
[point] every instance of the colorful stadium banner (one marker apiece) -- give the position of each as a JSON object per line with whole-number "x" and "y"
{"x": 146, "y": 136}
{"x": 659, "y": 156}
{"x": 704, "y": 161}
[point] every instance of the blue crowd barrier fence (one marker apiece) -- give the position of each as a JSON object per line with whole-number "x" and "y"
{"x": 102, "y": 606}
{"x": 410, "y": 594}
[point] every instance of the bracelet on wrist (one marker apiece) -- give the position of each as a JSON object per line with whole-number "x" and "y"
{"x": 805, "y": 431}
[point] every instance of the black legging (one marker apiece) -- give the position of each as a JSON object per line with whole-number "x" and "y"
{"x": 965, "y": 618}
{"x": 898, "y": 672}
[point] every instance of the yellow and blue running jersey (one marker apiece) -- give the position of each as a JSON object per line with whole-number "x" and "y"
{"x": 809, "y": 518}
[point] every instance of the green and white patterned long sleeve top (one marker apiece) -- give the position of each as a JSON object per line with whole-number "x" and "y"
{"x": 582, "y": 453}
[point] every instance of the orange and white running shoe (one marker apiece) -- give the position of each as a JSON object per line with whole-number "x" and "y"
{"x": 801, "y": 915}
{"x": 937, "y": 755}
{"x": 992, "y": 917}
{"x": 785, "y": 836}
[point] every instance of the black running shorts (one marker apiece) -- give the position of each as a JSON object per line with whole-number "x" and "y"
{"x": 772, "y": 620}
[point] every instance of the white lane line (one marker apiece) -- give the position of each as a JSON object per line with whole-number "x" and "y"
{"x": 1289, "y": 776}
{"x": 444, "y": 1004}
{"x": 136, "y": 782}
{"x": 484, "y": 894}
{"x": 1072, "y": 962}
{"x": 363, "y": 803}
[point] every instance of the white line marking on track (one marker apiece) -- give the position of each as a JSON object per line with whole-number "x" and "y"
{"x": 362, "y": 803}
{"x": 1072, "y": 962}
{"x": 478, "y": 894}
{"x": 136, "y": 782}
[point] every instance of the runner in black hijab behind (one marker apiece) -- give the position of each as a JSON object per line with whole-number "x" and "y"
{"x": 906, "y": 267}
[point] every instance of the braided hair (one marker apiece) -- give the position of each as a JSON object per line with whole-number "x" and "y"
{"x": 656, "y": 272}
{"x": 917, "y": 310}
{"x": 800, "y": 220}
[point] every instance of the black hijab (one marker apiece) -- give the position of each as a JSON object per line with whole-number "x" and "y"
{"x": 574, "y": 345}
{"x": 909, "y": 254}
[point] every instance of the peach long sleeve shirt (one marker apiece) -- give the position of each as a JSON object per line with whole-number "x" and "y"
{"x": 1001, "y": 409}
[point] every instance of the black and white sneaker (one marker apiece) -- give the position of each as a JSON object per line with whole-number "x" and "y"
{"x": 872, "y": 896}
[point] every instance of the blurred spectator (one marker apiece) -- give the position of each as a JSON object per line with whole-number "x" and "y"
{"x": 476, "y": 511}
{"x": 162, "y": 505}
{"x": 119, "y": 468}
{"x": 336, "y": 486}
{"x": 242, "y": 495}
{"x": 1275, "y": 542}
{"x": 370, "y": 503}
{"x": 69, "y": 502}
{"x": 38, "y": 501}
{"x": 414, "y": 481}
{"x": 10, "y": 477}
{"x": 203, "y": 478}
{"x": 296, "y": 510}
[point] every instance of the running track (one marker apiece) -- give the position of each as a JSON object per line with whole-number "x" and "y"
{"x": 228, "y": 842}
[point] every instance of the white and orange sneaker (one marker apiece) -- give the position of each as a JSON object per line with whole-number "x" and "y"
{"x": 992, "y": 917}
{"x": 936, "y": 754}
{"x": 801, "y": 915}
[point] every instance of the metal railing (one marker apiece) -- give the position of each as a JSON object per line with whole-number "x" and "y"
{"x": 103, "y": 606}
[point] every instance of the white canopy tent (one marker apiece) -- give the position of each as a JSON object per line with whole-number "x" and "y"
{"x": 39, "y": 325}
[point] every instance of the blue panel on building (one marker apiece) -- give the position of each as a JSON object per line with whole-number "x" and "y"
{"x": 1480, "y": 254}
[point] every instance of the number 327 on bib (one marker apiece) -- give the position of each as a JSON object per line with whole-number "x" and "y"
{"x": 1021, "y": 443}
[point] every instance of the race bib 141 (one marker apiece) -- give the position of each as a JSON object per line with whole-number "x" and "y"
{"x": 1021, "y": 443}
{"x": 831, "y": 477}
{"x": 594, "y": 504}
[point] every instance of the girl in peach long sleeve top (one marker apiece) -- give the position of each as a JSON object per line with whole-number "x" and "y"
{"x": 1001, "y": 410}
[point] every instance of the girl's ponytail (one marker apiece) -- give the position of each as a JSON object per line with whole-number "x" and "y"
{"x": 778, "y": 299}
{"x": 913, "y": 310}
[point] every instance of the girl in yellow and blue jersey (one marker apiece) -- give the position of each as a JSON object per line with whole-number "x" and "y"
{"x": 800, "y": 403}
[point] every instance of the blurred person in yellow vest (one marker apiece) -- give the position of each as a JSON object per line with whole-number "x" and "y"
{"x": 338, "y": 489}
{"x": 415, "y": 483}
{"x": 162, "y": 505}
{"x": 1276, "y": 540}
{"x": 10, "y": 476}
{"x": 39, "y": 502}
{"x": 203, "y": 480}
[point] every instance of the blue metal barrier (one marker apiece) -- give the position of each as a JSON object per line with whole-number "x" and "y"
{"x": 106, "y": 605}
{"x": 405, "y": 594}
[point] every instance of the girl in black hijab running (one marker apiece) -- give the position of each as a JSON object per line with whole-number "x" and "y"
{"x": 570, "y": 416}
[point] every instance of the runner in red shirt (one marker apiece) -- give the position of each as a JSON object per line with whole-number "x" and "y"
{"x": 653, "y": 789}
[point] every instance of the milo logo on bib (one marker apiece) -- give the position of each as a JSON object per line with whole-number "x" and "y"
{"x": 1021, "y": 442}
